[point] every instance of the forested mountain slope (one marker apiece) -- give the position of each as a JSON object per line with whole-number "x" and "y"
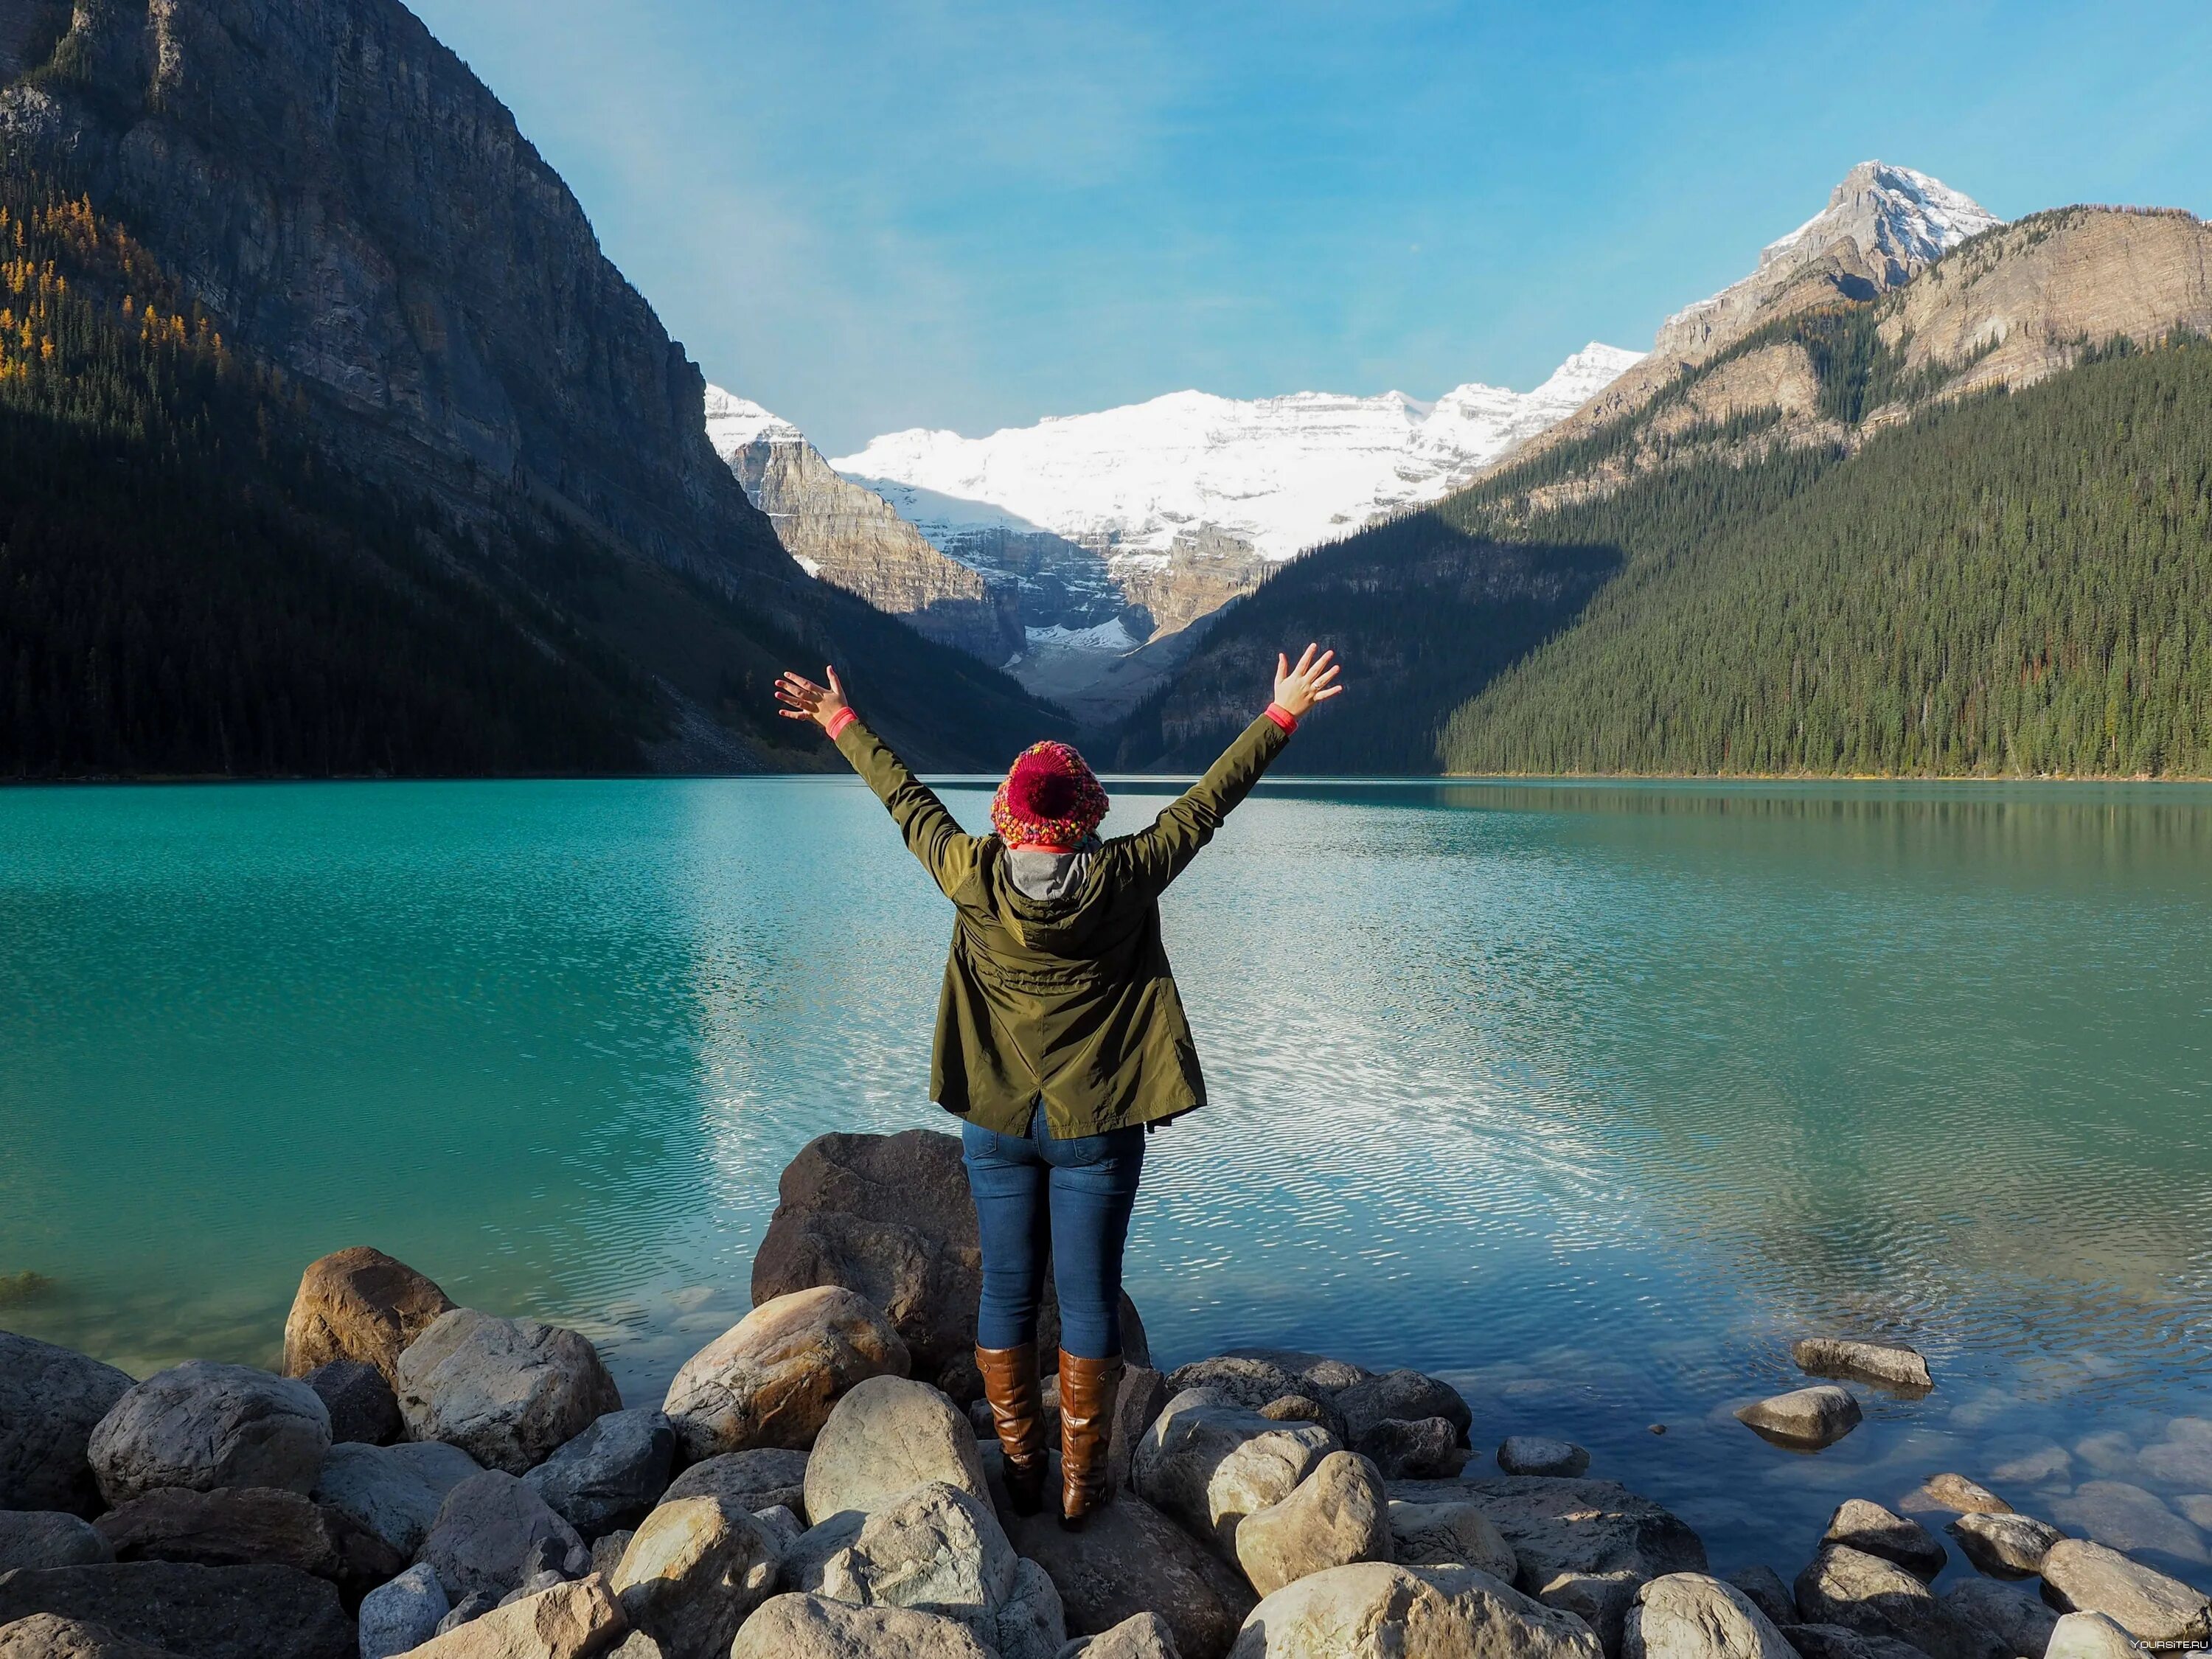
{"x": 354, "y": 213}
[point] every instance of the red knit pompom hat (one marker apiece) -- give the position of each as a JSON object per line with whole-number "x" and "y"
{"x": 1051, "y": 798}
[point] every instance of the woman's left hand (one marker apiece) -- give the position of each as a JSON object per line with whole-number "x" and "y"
{"x": 803, "y": 700}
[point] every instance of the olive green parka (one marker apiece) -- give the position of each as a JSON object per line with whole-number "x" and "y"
{"x": 1068, "y": 1001}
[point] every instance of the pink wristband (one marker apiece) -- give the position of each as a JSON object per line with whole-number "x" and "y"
{"x": 1282, "y": 717}
{"x": 838, "y": 722}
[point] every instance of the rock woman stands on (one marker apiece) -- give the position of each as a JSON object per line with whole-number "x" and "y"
{"x": 1059, "y": 1038}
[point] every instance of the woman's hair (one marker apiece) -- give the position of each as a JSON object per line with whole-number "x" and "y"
{"x": 1051, "y": 798}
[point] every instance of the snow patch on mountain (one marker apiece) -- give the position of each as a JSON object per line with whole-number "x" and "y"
{"x": 1277, "y": 475}
{"x": 733, "y": 421}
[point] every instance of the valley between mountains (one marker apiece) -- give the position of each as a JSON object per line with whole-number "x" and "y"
{"x": 336, "y": 446}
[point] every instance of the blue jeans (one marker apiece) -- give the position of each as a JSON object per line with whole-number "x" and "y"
{"x": 1068, "y": 1201}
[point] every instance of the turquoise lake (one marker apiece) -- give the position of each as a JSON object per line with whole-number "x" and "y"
{"x": 1587, "y": 1098}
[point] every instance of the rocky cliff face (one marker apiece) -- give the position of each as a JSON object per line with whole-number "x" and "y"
{"x": 853, "y": 537}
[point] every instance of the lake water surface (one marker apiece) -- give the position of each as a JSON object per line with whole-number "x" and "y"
{"x": 1590, "y": 1099}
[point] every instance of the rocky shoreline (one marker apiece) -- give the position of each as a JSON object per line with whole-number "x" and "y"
{"x": 819, "y": 1482}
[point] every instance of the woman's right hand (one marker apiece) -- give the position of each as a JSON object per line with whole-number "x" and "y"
{"x": 1314, "y": 680}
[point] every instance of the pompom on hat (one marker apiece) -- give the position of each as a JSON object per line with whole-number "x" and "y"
{"x": 1051, "y": 798}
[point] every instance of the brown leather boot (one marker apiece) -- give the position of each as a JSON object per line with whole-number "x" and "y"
{"x": 1087, "y": 1388}
{"x": 1010, "y": 1384}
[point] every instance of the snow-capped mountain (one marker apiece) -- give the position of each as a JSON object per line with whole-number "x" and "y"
{"x": 1883, "y": 225}
{"x": 1273, "y": 475}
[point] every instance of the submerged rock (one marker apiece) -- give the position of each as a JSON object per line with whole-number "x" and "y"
{"x": 1692, "y": 1615}
{"x": 2126, "y": 1516}
{"x": 1373, "y": 1608}
{"x": 50, "y": 1398}
{"x": 1956, "y": 1491}
{"x": 772, "y": 1379}
{"x": 1891, "y": 1363}
{"x": 203, "y": 1425}
{"x": 1806, "y": 1417}
{"x": 1868, "y": 1526}
{"x": 506, "y": 1391}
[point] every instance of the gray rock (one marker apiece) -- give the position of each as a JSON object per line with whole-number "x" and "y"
{"x": 1768, "y": 1592}
{"x": 1338, "y": 1514}
{"x": 2125, "y": 1516}
{"x": 43, "y": 1636}
{"x": 2089, "y": 1635}
{"x": 403, "y": 1614}
{"x": 1137, "y": 1406}
{"x": 607, "y": 1550}
{"x": 358, "y": 1303}
{"x": 1834, "y": 1642}
{"x": 50, "y": 1398}
{"x": 362, "y": 1405}
{"x": 1321, "y": 1376}
{"x": 204, "y": 1425}
{"x": 467, "y": 1611}
{"x": 241, "y": 1526}
{"x": 49, "y": 1538}
{"x": 1131, "y": 1559}
{"x": 395, "y": 1491}
{"x": 488, "y": 1534}
{"x": 805, "y": 1556}
{"x": 1599, "y": 1600}
{"x": 1409, "y": 1612}
{"x": 751, "y": 1480}
{"x": 941, "y": 1549}
{"x": 637, "y": 1645}
{"x": 779, "y": 1519}
{"x": 1812, "y": 1417}
{"x": 1891, "y": 1363}
{"x": 1407, "y": 1396}
{"x": 535, "y": 1584}
{"x": 1535, "y": 1453}
{"x": 1956, "y": 1491}
{"x": 561, "y": 1620}
{"x": 202, "y": 1612}
{"x": 611, "y": 1474}
{"x": 883, "y": 1439}
{"x": 1877, "y": 1597}
{"x": 1449, "y": 1535}
{"x": 2007, "y": 1544}
{"x": 772, "y": 1379}
{"x": 506, "y": 1391}
{"x": 694, "y": 1571}
{"x": 1595, "y": 1527}
{"x": 1250, "y": 1382}
{"x": 799, "y": 1627}
{"x": 1210, "y": 1463}
{"x": 2017, "y": 1619}
{"x": 1140, "y": 1636}
{"x": 1427, "y": 1449}
{"x": 1692, "y": 1615}
{"x": 1302, "y": 1408}
{"x": 1860, "y": 1525}
{"x": 2080, "y": 1576}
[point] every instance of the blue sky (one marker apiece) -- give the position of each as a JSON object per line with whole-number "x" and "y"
{"x": 869, "y": 216}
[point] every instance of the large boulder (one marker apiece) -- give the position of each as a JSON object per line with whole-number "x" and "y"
{"x": 562, "y": 1621}
{"x": 770, "y": 1379}
{"x": 941, "y": 1549}
{"x": 241, "y": 1526}
{"x": 506, "y": 1391}
{"x": 1869, "y": 1594}
{"x": 1338, "y": 1514}
{"x": 611, "y": 1474}
{"x": 2013, "y": 1616}
{"x": 204, "y": 1425}
{"x": 395, "y": 1491}
{"x": 751, "y": 1480}
{"x": 2007, "y": 1544}
{"x": 800, "y": 1627}
{"x": 694, "y": 1571}
{"x": 1692, "y": 1615}
{"x": 1596, "y": 1527}
{"x": 1452, "y": 1534}
{"x": 1210, "y": 1463}
{"x": 1128, "y": 1559}
{"x": 50, "y": 1398}
{"x": 1807, "y": 1419}
{"x": 49, "y": 1538}
{"x": 2089, "y": 1635}
{"x": 2081, "y": 1576}
{"x": 1373, "y": 1610}
{"x": 1860, "y": 1525}
{"x": 358, "y": 1303}
{"x": 45, "y": 1636}
{"x": 1403, "y": 1396}
{"x": 202, "y": 1612}
{"x": 400, "y": 1616}
{"x": 1421, "y": 1448}
{"x": 360, "y": 1400}
{"x": 492, "y": 1531}
{"x": 886, "y": 1437}
{"x": 890, "y": 1218}
{"x": 2123, "y": 1515}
